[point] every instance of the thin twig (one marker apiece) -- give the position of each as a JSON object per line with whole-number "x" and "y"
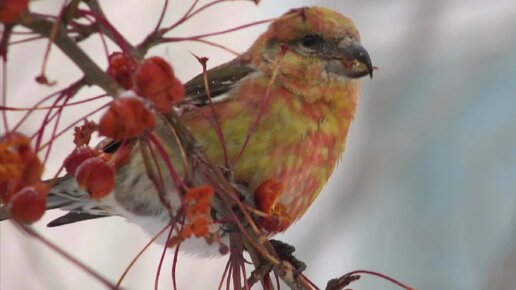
{"x": 76, "y": 122}
{"x": 258, "y": 274}
{"x": 93, "y": 74}
{"x": 162, "y": 15}
{"x": 214, "y": 44}
{"x": 287, "y": 274}
{"x": 345, "y": 280}
{"x": 157, "y": 38}
{"x": 217, "y": 127}
{"x": 3, "y": 80}
{"x": 173, "y": 39}
{"x": 229, "y": 198}
{"x": 133, "y": 261}
{"x": 161, "y": 259}
{"x": 70, "y": 104}
{"x": 107, "y": 28}
{"x": 67, "y": 256}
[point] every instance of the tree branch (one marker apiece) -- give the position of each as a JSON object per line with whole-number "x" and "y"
{"x": 106, "y": 27}
{"x": 92, "y": 72}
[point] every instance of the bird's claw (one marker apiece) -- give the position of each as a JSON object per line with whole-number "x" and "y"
{"x": 245, "y": 197}
{"x": 285, "y": 252}
{"x": 228, "y": 173}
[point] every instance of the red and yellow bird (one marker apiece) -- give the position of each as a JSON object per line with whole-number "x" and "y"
{"x": 301, "y": 76}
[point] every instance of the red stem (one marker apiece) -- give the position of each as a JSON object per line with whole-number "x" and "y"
{"x": 67, "y": 93}
{"x": 214, "y": 44}
{"x": 228, "y": 278}
{"x": 224, "y": 274}
{"x": 380, "y": 275}
{"x": 234, "y": 217}
{"x": 205, "y": 6}
{"x": 277, "y": 280}
{"x": 160, "y": 265}
{"x": 22, "y": 120}
{"x": 4, "y": 94}
{"x": 42, "y": 101}
{"x": 19, "y": 32}
{"x": 119, "y": 39}
{"x": 189, "y": 14}
{"x": 193, "y": 38}
{"x": 133, "y": 261}
{"x": 45, "y": 15}
{"x": 160, "y": 184}
{"x": 236, "y": 260}
{"x": 67, "y": 256}
{"x": 184, "y": 18}
{"x": 216, "y": 122}
{"x": 309, "y": 281}
{"x": 263, "y": 106}
{"x": 53, "y": 33}
{"x": 244, "y": 273}
{"x": 4, "y": 108}
{"x": 162, "y": 15}
{"x": 75, "y": 123}
{"x": 41, "y": 131}
{"x": 56, "y": 124}
{"x": 25, "y": 40}
{"x": 174, "y": 263}
{"x": 163, "y": 152}
{"x": 104, "y": 44}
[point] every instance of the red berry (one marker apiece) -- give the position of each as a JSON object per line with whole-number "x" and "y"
{"x": 155, "y": 81}
{"x": 266, "y": 198}
{"x": 10, "y": 10}
{"x": 19, "y": 164}
{"x": 29, "y": 204}
{"x": 127, "y": 117}
{"x": 5, "y": 193}
{"x": 77, "y": 156}
{"x": 121, "y": 68}
{"x": 97, "y": 176}
{"x": 274, "y": 224}
{"x": 267, "y": 194}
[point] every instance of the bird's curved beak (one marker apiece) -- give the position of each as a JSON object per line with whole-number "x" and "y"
{"x": 355, "y": 59}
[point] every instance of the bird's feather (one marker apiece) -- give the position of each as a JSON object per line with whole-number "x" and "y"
{"x": 73, "y": 217}
{"x": 221, "y": 79}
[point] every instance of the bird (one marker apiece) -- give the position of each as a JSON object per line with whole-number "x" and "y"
{"x": 301, "y": 77}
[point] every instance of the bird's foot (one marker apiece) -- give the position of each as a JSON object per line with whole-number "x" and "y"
{"x": 244, "y": 194}
{"x": 285, "y": 253}
{"x": 228, "y": 172}
{"x": 245, "y": 198}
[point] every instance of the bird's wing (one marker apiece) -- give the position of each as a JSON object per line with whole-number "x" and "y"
{"x": 65, "y": 195}
{"x": 73, "y": 217}
{"x": 221, "y": 79}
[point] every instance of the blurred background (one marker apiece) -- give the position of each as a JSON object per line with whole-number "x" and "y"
{"x": 426, "y": 192}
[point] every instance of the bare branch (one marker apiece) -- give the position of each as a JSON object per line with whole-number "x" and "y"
{"x": 107, "y": 28}
{"x": 92, "y": 72}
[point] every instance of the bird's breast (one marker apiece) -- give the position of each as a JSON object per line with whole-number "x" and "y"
{"x": 295, "y": 143}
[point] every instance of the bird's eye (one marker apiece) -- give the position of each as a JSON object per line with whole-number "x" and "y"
{"x": 310, "y": 40}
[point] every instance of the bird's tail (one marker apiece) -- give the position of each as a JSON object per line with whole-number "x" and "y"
{"x": 66, "y": 195}
{"x": 4, "y": 213}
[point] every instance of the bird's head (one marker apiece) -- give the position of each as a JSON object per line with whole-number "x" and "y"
{"x": 319, "y": 42}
